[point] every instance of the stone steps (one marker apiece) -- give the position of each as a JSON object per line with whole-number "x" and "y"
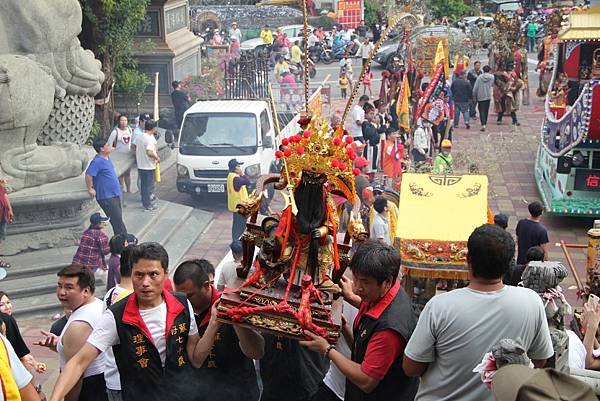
{"x": 31, "y": 281}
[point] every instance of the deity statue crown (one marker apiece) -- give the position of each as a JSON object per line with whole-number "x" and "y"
{"x": 319, "y": 151}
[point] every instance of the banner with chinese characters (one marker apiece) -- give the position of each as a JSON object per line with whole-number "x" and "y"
{"x": 349, "y": 13}
{"x": 315, "y": 103}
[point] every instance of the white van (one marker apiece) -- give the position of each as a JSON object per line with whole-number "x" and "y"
{"x": 214, "y": 132}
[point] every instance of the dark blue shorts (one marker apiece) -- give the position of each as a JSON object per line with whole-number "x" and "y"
{"x": 3, "y": 225}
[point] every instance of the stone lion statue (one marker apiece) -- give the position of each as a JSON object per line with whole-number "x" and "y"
{"x": 47, "y": 85}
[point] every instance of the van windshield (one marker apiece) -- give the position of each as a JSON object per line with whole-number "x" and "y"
{"x": 210, "y": 134}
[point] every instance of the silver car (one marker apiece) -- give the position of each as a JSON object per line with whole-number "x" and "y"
{"x": 293, "y": 32}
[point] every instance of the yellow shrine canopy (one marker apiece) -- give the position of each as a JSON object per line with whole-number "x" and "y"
{"x": 582, "y": 25}
{"x": 437, "y": 213}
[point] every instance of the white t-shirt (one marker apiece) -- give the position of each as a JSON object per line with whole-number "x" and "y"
{"x": 456, "y": 329}
{"x": 335, "y": 379}
{"x": 92, "y": 315}
{"x": 228, "y": 275}
{"x": 142, "y": 144}
{"x": 576, "y": 351}
{"x": 20, "y": 374}
{"x": 358, "y": 114}
{"x": 111, "y": 373}
{"x": 365, "y": 49}
{"x": 123, "y": 140}
{"x": 380, "y": 229}
{"x": 105, "y": 335}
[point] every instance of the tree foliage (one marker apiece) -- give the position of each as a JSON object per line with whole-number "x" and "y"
{"x": 108, "y": 29}
{"x": 452, "y": 9}
{"x": 373, "y": 11}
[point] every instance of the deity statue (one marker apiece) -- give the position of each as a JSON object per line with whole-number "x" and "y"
{"x": 317, "y": 168}
{"x": 47, "y": 84}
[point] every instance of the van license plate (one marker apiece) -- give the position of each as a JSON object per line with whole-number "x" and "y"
{"x": 215, "y": 187}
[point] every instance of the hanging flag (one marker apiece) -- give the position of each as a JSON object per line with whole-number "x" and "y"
{"x": 441, "y": 57}
{"x": 403, "y": 104}
{"x": 437, "y": 84}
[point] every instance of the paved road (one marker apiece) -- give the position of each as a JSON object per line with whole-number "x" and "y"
{"x": 506, "y": 154}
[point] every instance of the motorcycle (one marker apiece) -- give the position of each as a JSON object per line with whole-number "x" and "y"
{"x": 298, "y": 70}
{"x": 320, "y": 52}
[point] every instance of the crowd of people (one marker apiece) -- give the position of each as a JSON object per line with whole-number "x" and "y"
{"x": 153, "y": 338}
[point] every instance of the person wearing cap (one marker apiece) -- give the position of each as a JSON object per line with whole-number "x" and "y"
{"x": 237, "y": 192}
{"x": 181, "y": 102}
{"x": 146, "y": 157}
{"x": 361, "y": 181}
{"x": 234, "y": 32}
{"x": 102, "y": 183}
{"x": 93, "y": 245}
{"x": 443, "y": 162}
{"x": 6, "y": 216}
{"x": 522, "y": 383}
{"x": 455, "y": 330}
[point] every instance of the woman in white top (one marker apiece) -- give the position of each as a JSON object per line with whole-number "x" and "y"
{"x": 120, "y": 140}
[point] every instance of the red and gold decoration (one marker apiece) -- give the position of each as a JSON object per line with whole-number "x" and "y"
{"x": 290, "y": 285}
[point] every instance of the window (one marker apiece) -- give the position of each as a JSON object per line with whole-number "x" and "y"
{"x": 265, "y": 125}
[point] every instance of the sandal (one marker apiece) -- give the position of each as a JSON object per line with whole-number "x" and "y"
{"x": 4, "y": 264}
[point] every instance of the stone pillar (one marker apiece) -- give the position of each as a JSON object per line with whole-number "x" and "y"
{"x": 174, "y": 50}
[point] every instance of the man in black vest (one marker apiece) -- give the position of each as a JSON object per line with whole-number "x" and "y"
{"x": 228, "y": 373}
{"x": 382, "y": 328}
{"x": 153, "y": 335}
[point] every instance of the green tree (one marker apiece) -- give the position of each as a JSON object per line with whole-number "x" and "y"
{"x": 373, "y": 11}
{"x": 452, "y": 9}
{"x": 108, "y": 29}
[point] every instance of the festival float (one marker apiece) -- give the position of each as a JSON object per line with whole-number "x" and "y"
{"x": 567, "y": 167}
{"x": 292, "y": 262}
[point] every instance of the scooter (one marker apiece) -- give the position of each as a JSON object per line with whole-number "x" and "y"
{"x": 321, "y": 53}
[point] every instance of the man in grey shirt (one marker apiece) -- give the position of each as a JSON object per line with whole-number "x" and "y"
{"x": 456, "y": 329}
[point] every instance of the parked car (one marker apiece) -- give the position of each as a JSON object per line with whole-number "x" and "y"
{"x": 389, "y": 48}
{"x": 293, "y": 32}
{"x": 503, "y": 6}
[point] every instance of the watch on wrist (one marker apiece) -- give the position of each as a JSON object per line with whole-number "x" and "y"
{"x": 331, "y": 346}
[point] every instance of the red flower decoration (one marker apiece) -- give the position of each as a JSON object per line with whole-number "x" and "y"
{"x": 297, "y": 138}
{"x": 306, "y": 134}
{"x": 342, "y": 166}
{"x": 300, "y": 150}
{"x": 287, "y": 152}
{"x": 352, "y": 156}
{"x": 356, "y": 172}
{"x": 279, "y": 154}
{"x": 335, "y": 163}
{"x": 337, "y": 141}
{"x": 348, "y": 139}
{"x": 285, "y": 142}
